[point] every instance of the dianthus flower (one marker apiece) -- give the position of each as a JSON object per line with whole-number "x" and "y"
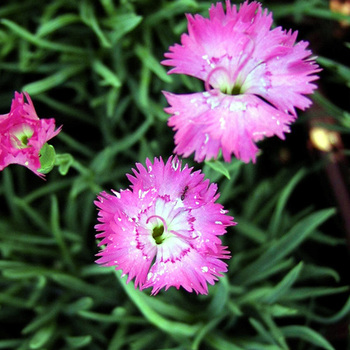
{"x": 254, "y": 78}
{"x": 23, "y": 134}
{"x": 163, "y": 229}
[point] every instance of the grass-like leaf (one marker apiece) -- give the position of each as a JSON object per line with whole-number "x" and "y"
{"x": 282, "y": 247}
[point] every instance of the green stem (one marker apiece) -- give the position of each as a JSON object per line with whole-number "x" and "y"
{"x": 58, "y": 234}
{"x": 81, "y": 168}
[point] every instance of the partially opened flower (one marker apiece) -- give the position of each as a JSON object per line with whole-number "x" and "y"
{"x": 164, "y": 229}
{"x": 23, "y": 134}
{"x": 255, "y": 77}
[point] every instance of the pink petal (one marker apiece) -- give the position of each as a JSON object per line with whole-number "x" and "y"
{"x": 205, "y": 123}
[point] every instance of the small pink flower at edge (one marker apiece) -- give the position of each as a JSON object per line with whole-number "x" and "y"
{"x": 163, "y": 230}
{"x": 23, "y": 134}
{"x": 254, "y": 77}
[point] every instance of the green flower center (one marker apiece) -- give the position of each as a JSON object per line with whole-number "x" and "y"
{"x": 234, "y": 90}
{"x": 157, "y": 234}
{"x": 21, "y": 136}
{"x": 225, "y": 82}
{"x": 24, "y": 139}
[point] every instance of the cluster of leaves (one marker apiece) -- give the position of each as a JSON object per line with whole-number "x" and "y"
{"x": 94, "y": 66}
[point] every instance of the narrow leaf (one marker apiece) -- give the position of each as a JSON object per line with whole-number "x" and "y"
{"x": 152, "y": 63}
{"x": 53, "y": 80}
{"x": 282, "y": 201}
{"x": 56, "y": 23}
{"x": 78, "y": 341}
{"x": 88, "y": 17}
{"x": 218, "y": 167}
{"x": 35, "y": 40}
{"x": 307, "y": 334}
{"x": 283, "y": 286}
{"x": 109, "y": 77}
{"x": 42, "y": 336}
{"x": 282, "y": 247}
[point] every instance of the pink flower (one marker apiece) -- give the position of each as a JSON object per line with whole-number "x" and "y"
{"x": 255, "y": 77}
{"x": 163, "y": 229}
{"x": 23, "y": 134}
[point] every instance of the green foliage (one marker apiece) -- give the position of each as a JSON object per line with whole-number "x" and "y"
{"x": 95, "y": 67}
{"x": 47, "y": 158}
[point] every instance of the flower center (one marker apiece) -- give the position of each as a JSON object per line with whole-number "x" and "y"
{"x": 158, "y": 233}
{"x": 21, "y": 135}
{"x": 24, "y": 139}
{"x": 220, "y": 76}
{"x": 234, "y": 90}
{"x": 231, "y": 81}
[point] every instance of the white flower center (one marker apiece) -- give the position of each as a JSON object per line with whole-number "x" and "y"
{"x": 160, "y": 231}
{"x": 20, "y": 135}
{"x": 168, "y": 220}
